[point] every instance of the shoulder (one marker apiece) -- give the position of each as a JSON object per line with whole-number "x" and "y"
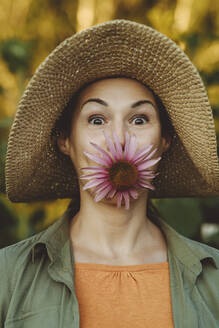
{"x": 19, "y": 255}
{"x": 208, "y": 278}
{"x": 190, "y": 250}
{"x": 202, "y": 250}
{"x": 12, "y": 255}
{"x": 13, "y": 258}
{"x": 206, "y": 292}
{"x": 199, "y": 245}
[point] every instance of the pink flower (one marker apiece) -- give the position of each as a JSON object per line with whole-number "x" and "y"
{"x": 121, "y": 173}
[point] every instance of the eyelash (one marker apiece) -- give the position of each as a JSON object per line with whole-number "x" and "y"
{"x": 98, "y": 116}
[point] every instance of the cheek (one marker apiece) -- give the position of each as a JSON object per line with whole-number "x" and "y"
{"x": 79, "y": 142}
{"x": 150, "y": 136}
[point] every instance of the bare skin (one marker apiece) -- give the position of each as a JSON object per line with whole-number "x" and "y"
{"x": 100, "y": 232}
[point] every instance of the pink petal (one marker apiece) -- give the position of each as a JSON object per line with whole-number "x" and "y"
{"x": 126, "y": 197}
{"x": 127, "y": 139}
{"x": 144, "y": 155}
{"x": 93, "y": 183}
{"x": 95, "y": 175}
{"x": 118, "y": 146}
{"x": 111, "y": 145}
{"x": 146, "y": 185}
{"x": 146, "y": 179}
{"x": 106, "y": 156}
{"x": 151, "y": 154}
{"x": 132, "y": 148}
{"x": 119, "y": 199}
{"x": 133, "y": 193}
{"x": 96, "y": 158}
{"x": 147, "y": 164}
{"x": 146, "y": 176}
{"x": 146, "y": 172}
{"x": 102, "y": 194}
{"x": 142, "y": 151}
{"x": 147, "y": 156}
{"x": 112, "y": 193}
{"x": 95, "y": 168}
{"x": 102, "y": 186}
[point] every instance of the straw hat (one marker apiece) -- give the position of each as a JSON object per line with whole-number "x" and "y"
{"x": 36, "y": 170}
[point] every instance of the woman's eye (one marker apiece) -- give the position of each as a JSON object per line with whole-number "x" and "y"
{"x": 139, "y": 119}
{"x": 96, "y": 119}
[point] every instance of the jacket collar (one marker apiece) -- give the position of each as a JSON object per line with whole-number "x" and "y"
{"x": 189, "y": 252}
{"x": 56, "y": 240}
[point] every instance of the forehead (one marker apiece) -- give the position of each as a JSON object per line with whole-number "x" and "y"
{"x": 118, "y": 87}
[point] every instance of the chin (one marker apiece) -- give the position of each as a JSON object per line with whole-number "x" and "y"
{"x": 113, "y": 200}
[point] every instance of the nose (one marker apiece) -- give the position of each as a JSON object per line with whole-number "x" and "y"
{"x": 120, "y": 130}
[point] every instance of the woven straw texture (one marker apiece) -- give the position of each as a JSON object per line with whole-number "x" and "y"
{"x": 36, "y": 170}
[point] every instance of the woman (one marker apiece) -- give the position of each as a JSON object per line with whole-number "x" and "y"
{"x": 112, "y": 100}
{"x": 96, "y": 105}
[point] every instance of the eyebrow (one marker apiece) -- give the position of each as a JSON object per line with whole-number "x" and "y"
{"x": 102, "y": 102}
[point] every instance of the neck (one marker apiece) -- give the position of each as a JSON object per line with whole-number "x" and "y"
{"x": 114, "y": 233}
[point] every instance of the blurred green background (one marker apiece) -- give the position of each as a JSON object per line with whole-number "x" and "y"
{"x": 30, "y": 30}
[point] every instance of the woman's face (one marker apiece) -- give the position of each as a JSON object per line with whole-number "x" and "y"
{"x": 113, "y": 104}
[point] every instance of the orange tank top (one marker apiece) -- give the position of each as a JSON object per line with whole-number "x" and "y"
{"x": 123, "y": 296}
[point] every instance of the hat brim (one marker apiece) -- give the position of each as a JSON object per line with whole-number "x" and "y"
{"x": 36, "y": 171}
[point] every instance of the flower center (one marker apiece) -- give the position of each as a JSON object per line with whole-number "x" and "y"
{"x": 123, "y": 174}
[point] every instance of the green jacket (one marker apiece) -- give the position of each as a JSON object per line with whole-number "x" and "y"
{"x": 37, "y": 280}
